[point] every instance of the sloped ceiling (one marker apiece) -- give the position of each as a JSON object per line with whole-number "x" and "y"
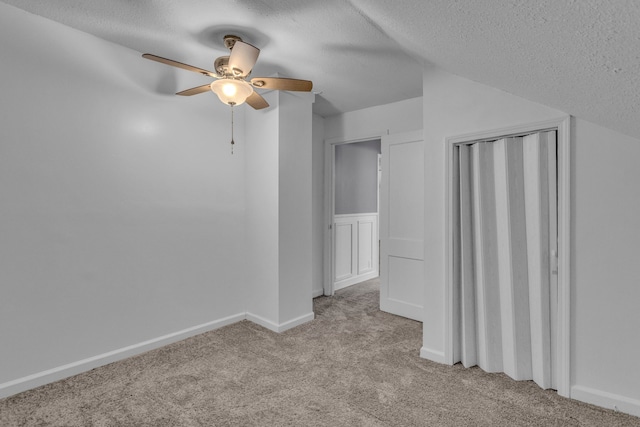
{"x": 579, "y": 56}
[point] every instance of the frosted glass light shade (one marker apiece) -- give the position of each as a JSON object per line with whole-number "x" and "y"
{"x": 231, "y": 91}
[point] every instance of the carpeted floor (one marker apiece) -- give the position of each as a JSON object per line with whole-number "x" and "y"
{"x": 352, "y": 366}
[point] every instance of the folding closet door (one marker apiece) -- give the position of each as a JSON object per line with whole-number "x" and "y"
{"x": 505, "y": 244}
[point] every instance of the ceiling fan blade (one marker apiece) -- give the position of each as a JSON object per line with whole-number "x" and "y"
{"x": 195, "y": 90}
{"x": 257, "y": 101}
{"x": 179, "y": 65}
{"x": 242, "y": 59}
{"x": 277, "y": 83}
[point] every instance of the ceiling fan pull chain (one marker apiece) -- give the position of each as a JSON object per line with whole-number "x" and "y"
{"x": 232, "y": 141}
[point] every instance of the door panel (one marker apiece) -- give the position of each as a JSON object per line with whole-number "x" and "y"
{"x": 343, "y": 251}
{"x": 366, "y": 235}
{"x": 407, "y": 274}
{"x": 405, "y": 181}
{"x": 401, "y": 225}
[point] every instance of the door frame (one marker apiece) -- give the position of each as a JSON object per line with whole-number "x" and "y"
{"x": 563, "y": 126}
{"x": 329, "y": 199}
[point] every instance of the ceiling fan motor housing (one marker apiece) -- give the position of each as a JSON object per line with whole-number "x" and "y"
{"x": 221, "y": 65}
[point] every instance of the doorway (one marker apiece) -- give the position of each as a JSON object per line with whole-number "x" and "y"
{"x": 401, "y": 216}
{"x": 354, "y": 216}
{"x": 351, "y": 252}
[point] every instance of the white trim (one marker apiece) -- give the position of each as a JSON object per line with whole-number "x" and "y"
{"x": 449, "y": 311}
{"x": 434, "y": 356}
{"x": 351, "y": 139}
{"x": 339, "y": 216}
{"x": 564, "y": 257}
{"x": 329, "y": 177}
{"x": 45, "y": 377}
{"x": 508, "y": 131}
{"x": 328, "y": 220}
{"x": 297, "y": 321}
{"x": 563, "y": 125}
{"x": 19, "y": 385}
{"x": 259, "y": 320}
{"x": 606, "y": 400}
{"x": 265, "y": 323}
{"x": 315, "y": 293}
{"x": 354, "y": 280}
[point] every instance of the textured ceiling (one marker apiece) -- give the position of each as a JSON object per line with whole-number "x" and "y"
{"x": 579, "y": 56}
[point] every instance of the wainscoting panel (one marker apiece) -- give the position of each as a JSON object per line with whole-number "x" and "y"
{"x": 356, "y": 249}
{"x": 366, "y": 242}
{"x": 344, "y": 250}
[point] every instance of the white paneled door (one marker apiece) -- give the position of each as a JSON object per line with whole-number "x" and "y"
{"x": 401, "y": 225}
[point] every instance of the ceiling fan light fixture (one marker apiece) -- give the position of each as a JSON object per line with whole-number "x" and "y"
{"x": 231, "y": 91}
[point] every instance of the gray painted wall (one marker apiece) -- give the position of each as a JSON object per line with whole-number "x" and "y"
{"x": 356, "y": 184}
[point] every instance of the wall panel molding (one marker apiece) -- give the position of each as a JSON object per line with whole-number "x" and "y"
{"x": 356, "y": 249}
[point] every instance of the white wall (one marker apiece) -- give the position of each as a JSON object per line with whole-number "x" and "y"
{"x": 279, "y": 224}
{"x": 606, "y": 254}
{"x": 126, "y": 222}
{"x": 262, "y": 210}
{"x": 295, "y": 134}
{"x": 122, "y": 208}
{"x": 401, "y": 116}
{"x": 605, "y": 211}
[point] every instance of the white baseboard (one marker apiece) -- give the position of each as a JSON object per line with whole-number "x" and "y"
{"x": 265, "y": 323}
{"x": 282, "y": 326}
{"x": 355, "y": 280}
{"x": 317, "y": 293}
{"x": 45, "y": 377}
{"x": 297, "y": 321}
{"x": 606, "y": 400}
{"x": 434, "y": 356}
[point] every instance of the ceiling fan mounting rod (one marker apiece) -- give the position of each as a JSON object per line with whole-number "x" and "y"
{"x": 230, "y": 40}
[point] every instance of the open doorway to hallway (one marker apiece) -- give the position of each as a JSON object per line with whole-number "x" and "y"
{"x": 357, "y": 248}
{"x": 354, "y": 225}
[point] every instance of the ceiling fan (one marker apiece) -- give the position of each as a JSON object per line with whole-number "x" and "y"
{"x": 231, "y": 73}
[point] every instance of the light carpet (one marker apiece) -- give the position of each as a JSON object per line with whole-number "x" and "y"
{"x": 352, "y": 366}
